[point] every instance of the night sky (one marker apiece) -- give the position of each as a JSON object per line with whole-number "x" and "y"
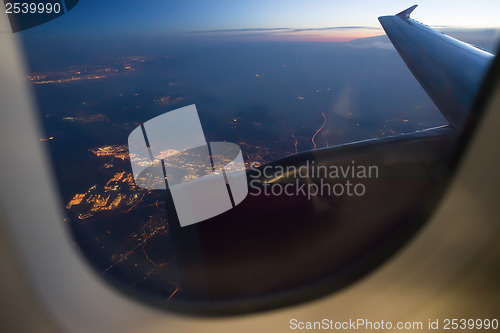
{"x": 146, "y": 18}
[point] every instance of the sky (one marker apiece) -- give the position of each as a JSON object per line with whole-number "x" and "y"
{"x": 263, "y": 19}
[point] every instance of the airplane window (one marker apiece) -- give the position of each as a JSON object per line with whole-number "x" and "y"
{"x": 218, "y": 158}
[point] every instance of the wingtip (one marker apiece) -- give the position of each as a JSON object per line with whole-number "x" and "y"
{"x": 405, "y": 14}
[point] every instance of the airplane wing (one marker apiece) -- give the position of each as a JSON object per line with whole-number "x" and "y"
{"x": 347, "y": 235}
{"x": 449, "y": 70}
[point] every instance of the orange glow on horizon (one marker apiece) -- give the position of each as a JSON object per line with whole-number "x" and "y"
{"x": 340, "y": 35}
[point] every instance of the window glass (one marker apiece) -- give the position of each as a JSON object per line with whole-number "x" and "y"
{"x": 343, "y": 153}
